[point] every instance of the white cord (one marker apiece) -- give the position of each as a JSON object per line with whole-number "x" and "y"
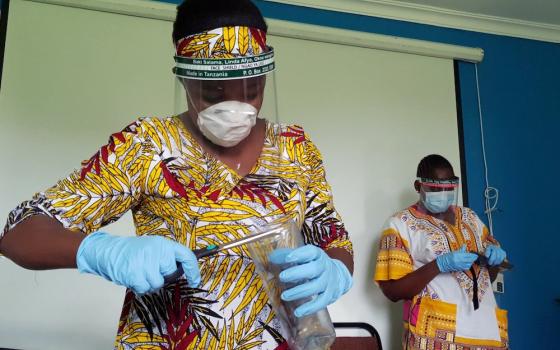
{"x": 491, "y": 194}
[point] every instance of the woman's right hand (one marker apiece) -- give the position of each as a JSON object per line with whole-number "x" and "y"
{"x": 138, "y": 263}
{"x": 459, "y": 260}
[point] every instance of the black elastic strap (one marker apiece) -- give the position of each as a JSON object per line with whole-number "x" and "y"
{"x": 475, "y": 288}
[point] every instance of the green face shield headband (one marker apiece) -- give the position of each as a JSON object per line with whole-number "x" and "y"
{"x": 224, "y": 54}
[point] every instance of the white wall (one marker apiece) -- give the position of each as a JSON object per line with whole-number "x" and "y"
{"x": 74, "y": 76}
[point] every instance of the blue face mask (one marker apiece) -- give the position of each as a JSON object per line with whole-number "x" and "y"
{"x": 438, "y": 202}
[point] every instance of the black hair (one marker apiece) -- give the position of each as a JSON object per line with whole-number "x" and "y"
{"x": 428, "y": 164}
{"x": 196, "y": 16}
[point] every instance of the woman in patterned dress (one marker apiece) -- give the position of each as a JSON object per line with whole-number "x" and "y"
{"x": 206, "y": 176}
{"x": 429, "y": 256}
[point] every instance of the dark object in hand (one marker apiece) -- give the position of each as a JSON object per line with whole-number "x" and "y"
{"x": 483, "y": 261}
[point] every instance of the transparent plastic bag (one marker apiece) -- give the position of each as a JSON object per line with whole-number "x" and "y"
{"x": 314, "y": 331}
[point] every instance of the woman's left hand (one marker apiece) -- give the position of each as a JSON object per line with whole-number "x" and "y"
{"x": 495, "y": 255}
{"x": 318, "y": 274}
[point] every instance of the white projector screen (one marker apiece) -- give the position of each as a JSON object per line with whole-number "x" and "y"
{"x": 74, "y": 76}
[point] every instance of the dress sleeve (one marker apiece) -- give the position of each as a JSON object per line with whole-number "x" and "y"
{"x": 322, "y": 225}
{"x": 394, "y": 260}
{"x": 106, "y": 186}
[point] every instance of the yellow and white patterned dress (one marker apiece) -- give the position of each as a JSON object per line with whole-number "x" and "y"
{"x": 442, "y": 316}
{"x": 157, "y": 170}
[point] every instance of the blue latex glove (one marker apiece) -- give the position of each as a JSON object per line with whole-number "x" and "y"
{"x": 138, "y": 263}
{"x": 318, "y": 274}
{"x": 495, "y": 255}
{"x": 459, "y": 260}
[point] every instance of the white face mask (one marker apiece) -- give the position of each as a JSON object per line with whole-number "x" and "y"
{"x": 227, "y": 123}
{"x": 438, "y": 202}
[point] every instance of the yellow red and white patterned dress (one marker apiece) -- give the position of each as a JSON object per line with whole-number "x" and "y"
{"x": 157, "y": 170}
{"x": 442, "y": 316}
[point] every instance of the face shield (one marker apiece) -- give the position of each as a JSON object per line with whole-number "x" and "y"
{"x": 228, "y": 76}
{"x": 438, "y": 196}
